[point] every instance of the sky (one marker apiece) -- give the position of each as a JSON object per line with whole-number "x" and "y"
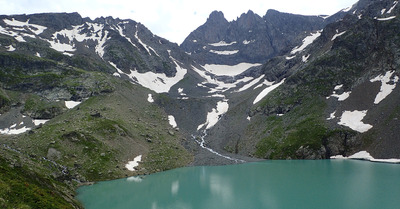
{"x": 171, "y": 19}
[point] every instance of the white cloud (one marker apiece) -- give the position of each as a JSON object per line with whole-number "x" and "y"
{"x": 171, "y": 19}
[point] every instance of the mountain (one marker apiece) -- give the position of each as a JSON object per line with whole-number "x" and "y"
{"x": 72, "y": 109}
{"x": 250, "y": 38}
{"x": 86, "y": 100}
{"x": 334, "y": 95}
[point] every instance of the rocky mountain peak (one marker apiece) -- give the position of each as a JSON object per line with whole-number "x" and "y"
{"x": 249, "y": 20}
{"x": 216, "y": 17}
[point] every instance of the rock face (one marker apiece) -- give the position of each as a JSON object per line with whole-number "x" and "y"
{"x": 250, "y": 38}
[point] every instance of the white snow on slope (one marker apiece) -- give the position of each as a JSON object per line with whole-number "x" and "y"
{"x": 306, "y": 41}
{"x": 36, "y": 29}
{"x": 222, "y": 43}
{"x": 229, "y": 70}
{"x": 215, "y": 114}
{"x": 220, "y": 85}
{"x": 13, "y": 34}
{"x": 158, "y": 82}
{"x": 386, "y": 87}
{"x": 121, "y": 33}
{"x": 289, "y": 58}
{"x": 14, "y": 131}
{"x": 245, "y": 42}
{"x": 385, "y": 19}
{"x": 131, "y": 165}
{"x": 341, "y": 97}
{"x": 305, "y": 58}
{"x": 394, "y": 5}
{"x": 10, "y": 48}
{"x": 353, "y": 120}
{"x": 140, "y": 41}
{"x": 267, "y": 90}
{"x": 172, "y": 122}
{"x": 76, "y": 33}
{"x": 364, "y": 155}
{"x": 337, "y": 35}
{"x": 332, "y": 116}
{"x": 252, "y": 83}
{"x": 71, "y": 104}
{"x": 224, "y": 52}
{"x": 150, "y": 98}
{"x": 38, "y": 122}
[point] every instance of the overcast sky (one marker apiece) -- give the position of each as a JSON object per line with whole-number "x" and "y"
{"x": 171, "y": 19}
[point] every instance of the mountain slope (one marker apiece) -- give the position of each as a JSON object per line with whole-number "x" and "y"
{"x": 337, "y": 95}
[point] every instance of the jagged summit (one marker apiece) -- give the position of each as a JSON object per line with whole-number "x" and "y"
{"x": 216, "y": 17}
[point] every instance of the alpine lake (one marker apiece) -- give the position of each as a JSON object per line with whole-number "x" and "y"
{"x": 281, "y": 184}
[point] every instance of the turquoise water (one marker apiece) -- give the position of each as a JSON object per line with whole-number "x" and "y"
{"x": 336, "y": 184}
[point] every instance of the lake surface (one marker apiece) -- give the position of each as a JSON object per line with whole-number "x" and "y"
{"x": 324, "y": 184}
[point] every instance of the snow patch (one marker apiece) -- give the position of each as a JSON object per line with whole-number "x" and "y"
{"x": 386, "y": 87}
{"x": 172, "y": 122}
{"x": 332, "y": 116}
{"x": 36, "y": 29}
{"x": 385, "y": 19}
{"x": 341, "y": 97}
{"x": 158, "y": 82}
{"x": 266, "y": 91}
{"x": 131, "y": 165}
{"x": 252, "y": 83}
{"x": 215, "y": 114}
{"x": 222, "y": 43}
{"x": 394, "y": 5}
{"x": 364, "y": 155}
{"x": 12, "y": 130}
{"x": 10, "y": 48}
{"x": 71, "y": 104}
{"x": 353, "y": 120}
{"x": 224, "y": 52}
{"x": 229, "y": 70}
{"x": 305, "y": 58}
{"x": 289, "y": 58}
{"x": 150, "y": 98}
{"x": 245, "y": 42}
{"x": 337, "y": 35}
{"x": 148, "y": 48}
{"x": 38, "y": 122}
{"x": 306, "y": 41}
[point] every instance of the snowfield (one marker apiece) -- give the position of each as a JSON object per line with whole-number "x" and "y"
{"x": 158, "y": 82}
{"x": 266, "y": 91}
{"x": 224, "y": 52}
{"x": 229, "y": 70}
{"x": 131, "y": 165}
{"x": 353, "y": 120}
{"x": 214, "y": 116}
{"x": 71, "y": 104}
{"x": 386, "y": 87}
{"x": 222, "y": 43}
{"x": 306, "y": 41}
{"x": 172, "y": 122}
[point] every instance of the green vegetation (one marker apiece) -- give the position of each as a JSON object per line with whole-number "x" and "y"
{"x": 20, "y": 187}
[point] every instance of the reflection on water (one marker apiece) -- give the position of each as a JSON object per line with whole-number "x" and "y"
{"x": 269, "y": 184}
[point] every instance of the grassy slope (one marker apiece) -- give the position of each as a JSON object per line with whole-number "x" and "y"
{"x": 91, "y": 142}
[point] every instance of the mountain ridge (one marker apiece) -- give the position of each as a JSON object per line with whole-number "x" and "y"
{"x": 326, "y": 88}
